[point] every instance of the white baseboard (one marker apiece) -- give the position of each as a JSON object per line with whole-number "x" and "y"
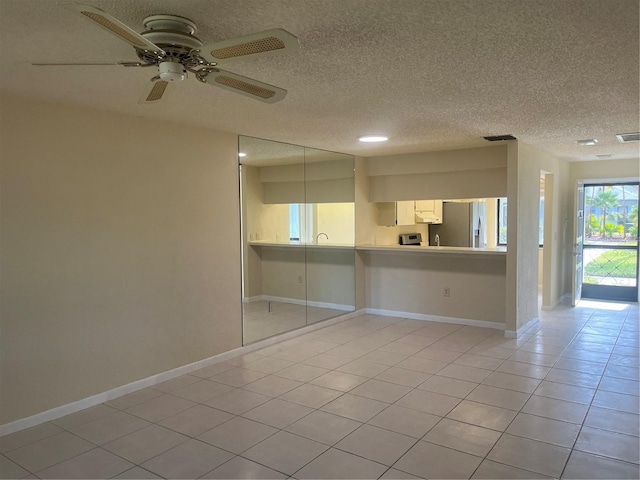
{"x": 564, "y": 298}
{"x": 99, "y": 398}
{"x": 333, "y": 306}
{"x": 560, "y": 301}
{"x": 297, "y": 301}
{"x": 268, "y": 342}
{"x": 437, "y": 318}
{"x": 521, "y": 330}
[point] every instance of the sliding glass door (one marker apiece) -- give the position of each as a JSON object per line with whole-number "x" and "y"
{"x": 610, "y": 249}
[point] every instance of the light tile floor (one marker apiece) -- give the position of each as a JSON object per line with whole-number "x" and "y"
{"x": 374, "y": 397}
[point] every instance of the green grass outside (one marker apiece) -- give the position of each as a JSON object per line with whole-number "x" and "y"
{"x": 613, "y": 263}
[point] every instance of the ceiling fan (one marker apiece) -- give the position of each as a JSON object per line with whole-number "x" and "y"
{"x": 169, "y": 44}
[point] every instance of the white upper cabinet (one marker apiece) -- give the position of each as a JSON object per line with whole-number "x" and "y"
{"x": 391, "y": 214}
{"x": 429, "y": 210}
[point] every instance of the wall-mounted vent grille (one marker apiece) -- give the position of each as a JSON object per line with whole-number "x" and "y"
{"x": 628, "y": 137}
{"x": 499, "y": 138}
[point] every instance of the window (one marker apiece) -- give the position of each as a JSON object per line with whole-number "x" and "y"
{"x": 294, "y": 222}
{"x": 541, "y": 222}
{"x": 502, "y": 221}
{"x": 301, "y": 222}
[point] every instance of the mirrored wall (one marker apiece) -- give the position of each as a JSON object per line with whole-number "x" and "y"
{"x": 298, "y": 231}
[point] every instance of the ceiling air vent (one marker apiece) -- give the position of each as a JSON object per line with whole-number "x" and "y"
{"x": 628, "y": 137}
{"x": 499, "y": 138}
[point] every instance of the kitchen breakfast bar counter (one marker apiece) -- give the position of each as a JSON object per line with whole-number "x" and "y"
{"x": 446, "y": 284}
{"x": 498, "y": 252}
{"x": 422, "y": 249}
{"x": 338, "y": 246}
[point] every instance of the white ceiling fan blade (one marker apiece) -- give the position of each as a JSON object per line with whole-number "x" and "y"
{"x": 117, "y": 28}
{"x": 74, "y": 64}
{"x": 154, "y": 91}
{"x": 244, "y": 86}
{"x": 249, "y": 46}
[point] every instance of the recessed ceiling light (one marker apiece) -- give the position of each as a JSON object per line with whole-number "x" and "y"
{"x": 373, "y": 138}
{"x": 604, "y": 155}
{"x": 628, "y": 137}
{"x": 587, "y": 142}
{"x": 242, "y": 154}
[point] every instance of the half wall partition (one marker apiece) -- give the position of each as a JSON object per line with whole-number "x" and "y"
{"x": 298, "y": 232}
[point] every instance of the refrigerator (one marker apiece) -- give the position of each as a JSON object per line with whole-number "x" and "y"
{"x": 463, "y": 225}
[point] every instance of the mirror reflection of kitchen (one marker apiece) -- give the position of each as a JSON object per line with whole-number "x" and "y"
{"x": 298, "y": 236}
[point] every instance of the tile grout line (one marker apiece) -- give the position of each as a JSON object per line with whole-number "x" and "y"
{"x": 591, "y": 404}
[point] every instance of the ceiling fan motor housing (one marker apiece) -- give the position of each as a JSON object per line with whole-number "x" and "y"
{"x": 171, "y": 71}
{"x": 175, "y": 36}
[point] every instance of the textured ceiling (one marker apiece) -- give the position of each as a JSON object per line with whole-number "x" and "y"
{"x": 430, "y": 74}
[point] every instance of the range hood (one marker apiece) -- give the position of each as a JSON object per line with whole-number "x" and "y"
{"x": 427, "y": 217}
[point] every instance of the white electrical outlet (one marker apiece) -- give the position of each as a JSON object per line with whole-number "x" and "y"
{"x": 447, "y": 292}
{"x": 300, "y": 280}
{"x": 251, "y": 237}
{"x": 257, "y": 236}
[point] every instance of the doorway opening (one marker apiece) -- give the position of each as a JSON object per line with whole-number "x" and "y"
{"x": 610, "y": 241}
{"x": 544, "y": 240}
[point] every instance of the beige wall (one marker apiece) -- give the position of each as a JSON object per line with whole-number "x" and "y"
{"x": 330, "y": 276}
{"x": 319, "y": 182}
{"x": 466, "y": 173}
{"x": 605, "y": 169}
{"x": 491, "y": 156}
{"x": 557, "y": 242}
{"x": 337, "y": 220}
{"x": 366, "y": 215}
{"x": 414, "y": 283}
{"x": 554, "y": 265}
{"x": 311, "y": 274}
{"x": 120, "y": 251}
{"x": 522, "y": 235}
{"x": 492, "y": 222}
{"x": 282, "y": 272}
{"x": 252, "y": 194}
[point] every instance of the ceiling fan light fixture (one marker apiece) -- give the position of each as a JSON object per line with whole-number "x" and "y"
{"x": 171, "y": 72}
{"x": 373, "y": 138}
{"x": 587, "y": 142}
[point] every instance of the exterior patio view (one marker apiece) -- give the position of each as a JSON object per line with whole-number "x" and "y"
{"x": 611, "y": 235}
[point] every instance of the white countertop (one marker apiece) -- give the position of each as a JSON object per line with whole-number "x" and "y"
{"x": 394, "y": 248}
{"x": 261, "y": 243}
{"x": 486, "y": 251}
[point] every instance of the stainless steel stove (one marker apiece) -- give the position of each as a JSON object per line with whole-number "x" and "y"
{"x": 410, "y": 239}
